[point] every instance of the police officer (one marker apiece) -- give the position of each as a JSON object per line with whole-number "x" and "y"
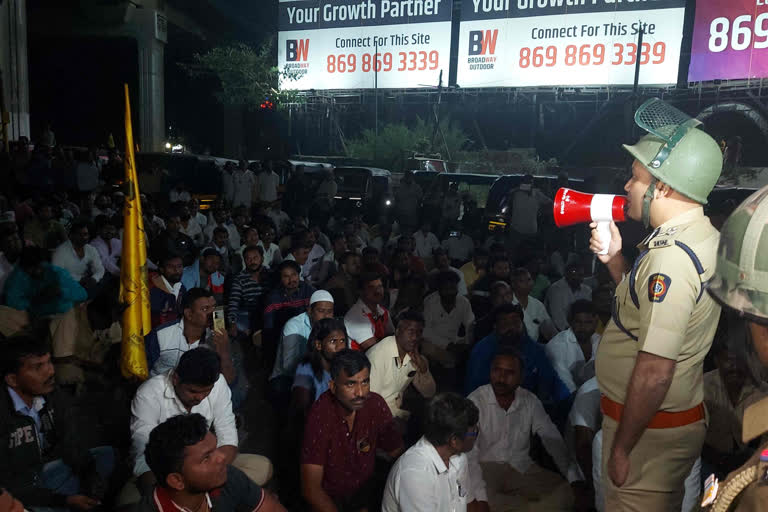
{"x": 741, "y": 284}
{"x": 649, "y": 361}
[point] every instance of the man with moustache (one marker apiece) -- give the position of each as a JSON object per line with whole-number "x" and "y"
{"x": 166, "y": 291}
{"x": 650, "y": 359}
{"x": 368, "y": 321}
{"x": 345, "y": 428}
{"x": 166, "y": 344}
{"x": 509, "y": 417}
{"x": 288, "y": 299}
{"x": 396, "y": 363}
{"x": 541, "y": 378}
{"x": 247, "y": 293}
{"x": 44, "y": 462}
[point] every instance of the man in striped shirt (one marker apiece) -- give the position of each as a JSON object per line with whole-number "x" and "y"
{"x": 247, "y": 294}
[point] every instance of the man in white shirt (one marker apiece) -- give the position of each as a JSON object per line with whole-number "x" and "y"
{"x": 194, "y": 209}
{"x": 243, "y": 182}
{"x": 221, "y": 217}
{"x": 309, "y": 256}
{"x": 107, "y": 244}
{"x": 572, "y": 352}
{"x": 189, "y": 225}
{"x": 79, "y": 257}
{"x": 584, "y": 421}
{"x": 445, "y": 311}
{"x": 367, "y": 321}
{"x": 396, "y": 362}
{"x": 509, "y": 416}
{"x": 434, "y": 474}
{"x": 537, "y": 320}
{"x": 194, "y": 386}
{"x": 267, "y": 182}
{"x": 564, "y": 292}
{"x": 425, "y": 241}
{"x": 166, "y": 344}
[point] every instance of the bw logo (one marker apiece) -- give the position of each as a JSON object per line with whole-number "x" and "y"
{"x": 483, "y": 43}
{"x": 296, "y": 50}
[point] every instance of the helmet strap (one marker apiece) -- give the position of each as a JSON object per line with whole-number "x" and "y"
{"x": 647, "y": 198}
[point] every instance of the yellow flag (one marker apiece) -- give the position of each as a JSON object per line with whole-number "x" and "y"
{"x": 134, "y": 290}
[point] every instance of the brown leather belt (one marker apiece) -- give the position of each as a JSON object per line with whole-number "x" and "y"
{"x": 661, "y": 419}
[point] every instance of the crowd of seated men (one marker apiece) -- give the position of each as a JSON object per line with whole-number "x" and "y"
{"x": 404, "y": 365}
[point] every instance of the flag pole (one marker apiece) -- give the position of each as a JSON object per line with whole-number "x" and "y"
{"x": 134, "y": 290}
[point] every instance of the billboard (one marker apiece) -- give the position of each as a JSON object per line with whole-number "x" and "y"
{"x": 354, "y": 44}
{"x": 520, "y": 43}
{"x": 730, "y": 40}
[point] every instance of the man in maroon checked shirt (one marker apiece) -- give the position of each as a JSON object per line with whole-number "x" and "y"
{"x": 345, "y": 427}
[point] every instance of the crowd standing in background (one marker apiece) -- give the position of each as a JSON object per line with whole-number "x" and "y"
{"x": 413, "y": 363}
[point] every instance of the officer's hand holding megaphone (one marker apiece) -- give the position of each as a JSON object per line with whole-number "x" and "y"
{"x": 596, "y": 244}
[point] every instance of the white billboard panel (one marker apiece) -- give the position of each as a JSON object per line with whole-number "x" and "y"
{"x": 520, "y": 43}
{"x": 354, "y": 44}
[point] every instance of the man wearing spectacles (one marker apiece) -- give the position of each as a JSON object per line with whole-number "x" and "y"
{"x": 434, "y": 474}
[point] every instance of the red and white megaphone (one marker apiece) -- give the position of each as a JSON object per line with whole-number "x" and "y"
{"x": 572, "y": 207}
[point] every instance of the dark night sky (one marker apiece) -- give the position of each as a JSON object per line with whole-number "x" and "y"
{"x": 76, "y": 83}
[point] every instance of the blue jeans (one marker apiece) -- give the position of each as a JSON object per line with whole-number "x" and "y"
{"x": 58, "y": 477}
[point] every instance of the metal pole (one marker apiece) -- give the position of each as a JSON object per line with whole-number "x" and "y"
{"x": 376, "y": 84}
{"x": 639, "y": 58}
{"x": 4, "y": 117}
{"x": 631, "y": 105}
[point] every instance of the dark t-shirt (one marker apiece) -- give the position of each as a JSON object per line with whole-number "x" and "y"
{"x": 239, "y": 493}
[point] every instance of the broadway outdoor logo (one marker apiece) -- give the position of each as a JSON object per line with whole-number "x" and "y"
{"x": 296, "y": 54}
{"x": 482, "y": 49}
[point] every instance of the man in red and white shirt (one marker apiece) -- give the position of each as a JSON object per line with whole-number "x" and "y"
{"x": 368, "y": 321}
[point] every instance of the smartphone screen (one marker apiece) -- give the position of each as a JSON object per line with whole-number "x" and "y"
{"x": 219, "y": 323}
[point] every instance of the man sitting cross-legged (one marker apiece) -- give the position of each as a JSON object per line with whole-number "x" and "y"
{"x": 344, "y": 429}
{"x": 196, "y": 385}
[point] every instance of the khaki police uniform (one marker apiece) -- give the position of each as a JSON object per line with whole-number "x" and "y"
{"x": 661, "y": 308}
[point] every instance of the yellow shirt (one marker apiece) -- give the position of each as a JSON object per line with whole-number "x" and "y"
{"x": 470, "y": 274}
{"x": 661, "y": 307}
{"x": 390, "y": 376}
